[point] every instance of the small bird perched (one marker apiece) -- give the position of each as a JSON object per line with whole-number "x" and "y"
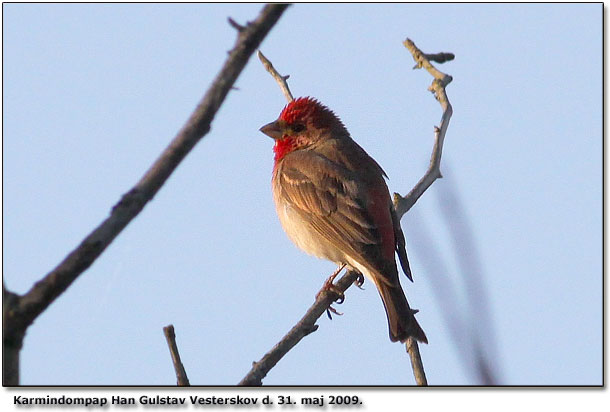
{"x": 333, "y": 202}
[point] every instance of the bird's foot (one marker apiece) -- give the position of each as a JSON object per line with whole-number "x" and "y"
{"x": 330, "y": 287}
{"x": 359, "y": 281}
{"x": 333, "y": 310}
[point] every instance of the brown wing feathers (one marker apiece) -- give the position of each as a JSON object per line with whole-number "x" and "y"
{"x": 335, "y": 190}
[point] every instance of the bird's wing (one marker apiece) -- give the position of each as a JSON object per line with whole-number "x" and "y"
{"x": 342, "y": 208}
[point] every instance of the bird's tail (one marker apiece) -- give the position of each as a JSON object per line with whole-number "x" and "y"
{"x": 401, "y": 318}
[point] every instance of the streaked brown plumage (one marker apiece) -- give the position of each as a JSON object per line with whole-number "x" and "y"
{"x": 333, "y": 202}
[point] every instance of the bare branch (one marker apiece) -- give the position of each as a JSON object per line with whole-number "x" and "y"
{"x": 304, "y": 327}
{"x": 11, "y": 344}
{"x": 281, "y": 80}
{"x": 27, "y": 307}
{"x": 403, "y": 204}
{"x": 416, "y": 362}
{"x": 441, "y": 80}
{"x": 170, "y": 336}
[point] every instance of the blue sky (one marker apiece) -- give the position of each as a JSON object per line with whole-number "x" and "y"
{"x": 93, "y": 93}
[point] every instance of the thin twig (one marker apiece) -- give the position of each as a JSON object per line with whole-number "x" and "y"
{"x": 304, "y": 327}
{"x": 441, "y": 80}
{"x": 307, "y": 324}
{"x": 281, "y": 80}
{"x": 236, "y": 25}
{"x": 26, "y": 308}
{"x": 170, "y": 336}
{"x": 416, "y": 362}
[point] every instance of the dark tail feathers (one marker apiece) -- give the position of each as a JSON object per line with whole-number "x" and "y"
{"x": 401, "y": 318}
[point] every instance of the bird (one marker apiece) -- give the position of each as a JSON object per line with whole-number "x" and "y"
{"x": 333, "y": 203}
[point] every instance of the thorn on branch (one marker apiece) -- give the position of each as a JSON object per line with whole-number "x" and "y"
{"x": 236, "y": 25}
{"x": 128, "y": 200}
{"x": 310, "y": 330}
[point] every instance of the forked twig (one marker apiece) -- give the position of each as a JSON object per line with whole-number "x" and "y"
{"x": 281, "y": 80}
{"x": 403, "y": 204}
{"x": 441, "y": 80}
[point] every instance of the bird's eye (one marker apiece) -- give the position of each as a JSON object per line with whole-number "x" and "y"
{"x": 298, "y": 128}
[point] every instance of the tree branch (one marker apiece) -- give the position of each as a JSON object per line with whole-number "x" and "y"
{"x": 403, "y": 204}
{"x": 11, "y": 341}
{"x": 281, "y": 80}
{"x": 307, "y": 324}
{"x": 170, "y": 336}
{"x": 441, "y": 80}
{"x": 416, "y": 363}
{"x": 304, "y": 327}
{"x": 26, "y": 308}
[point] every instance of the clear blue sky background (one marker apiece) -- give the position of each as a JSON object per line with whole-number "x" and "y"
{"x": 93, "y": 93}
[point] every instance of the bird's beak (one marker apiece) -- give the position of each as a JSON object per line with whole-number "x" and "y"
{"x": 272, "y": 130}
